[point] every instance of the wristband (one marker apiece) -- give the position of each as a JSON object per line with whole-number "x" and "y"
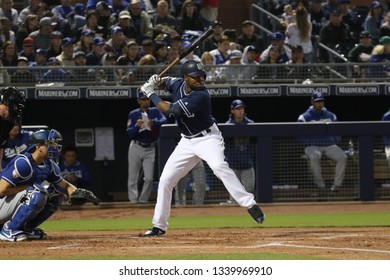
{"x": 155, "y": 98}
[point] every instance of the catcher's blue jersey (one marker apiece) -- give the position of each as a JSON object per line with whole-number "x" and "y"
{"x": 23, "y": 170}
{"x": 195, "y": 106}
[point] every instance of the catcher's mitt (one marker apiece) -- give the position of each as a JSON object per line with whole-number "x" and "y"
{"x": 82, "y": 196}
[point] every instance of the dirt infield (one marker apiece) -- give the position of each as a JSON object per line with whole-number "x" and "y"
{"x": 333, "y": 243}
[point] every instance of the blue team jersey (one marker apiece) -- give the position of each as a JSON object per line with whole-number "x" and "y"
{"x": 195, "y": 107}
{"x": 143, "y": 134}
{"x": 22, "y": 170}
{"x": 14, "y": 147}
{"x": 386, "y": 118}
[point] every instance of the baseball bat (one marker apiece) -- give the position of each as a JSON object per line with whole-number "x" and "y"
{"x": 188, "y": 49}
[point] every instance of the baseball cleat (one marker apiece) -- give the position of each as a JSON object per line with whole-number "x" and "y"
{"x": 7, "y": 234}
{"x": 257, "y": 214}
{"x": 37, "y": 233}
{"x": 155, "y": 231}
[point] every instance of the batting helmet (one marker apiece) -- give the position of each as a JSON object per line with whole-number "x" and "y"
{"x": 50, "y": 138}
{"x": 14, "y": 99}
{"x": 193, "y": 68}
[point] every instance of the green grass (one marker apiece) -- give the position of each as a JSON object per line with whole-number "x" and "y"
{"x": 213, "y": 222}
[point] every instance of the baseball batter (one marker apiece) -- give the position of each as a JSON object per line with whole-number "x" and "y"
{"x": 200, "y": 139}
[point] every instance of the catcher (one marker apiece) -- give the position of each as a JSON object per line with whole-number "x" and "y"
{"x": 25, "y": 202}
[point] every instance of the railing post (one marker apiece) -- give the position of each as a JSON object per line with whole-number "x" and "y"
{"x": 366, "y": 168}
{"x": 264, "y": 169}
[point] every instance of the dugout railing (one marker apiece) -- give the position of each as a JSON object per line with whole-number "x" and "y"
{"x": 251, "y": 74}
{"x": 282, "y": 172}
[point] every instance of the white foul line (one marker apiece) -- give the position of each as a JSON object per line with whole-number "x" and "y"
{"x": 324, "y": 248}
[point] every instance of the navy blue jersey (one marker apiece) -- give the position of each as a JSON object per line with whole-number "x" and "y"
{"x": 79, "y": 170}
{"x": 195, "y": 107}
{"x": 15, "y": 146}
{"x": 145, "y": 134}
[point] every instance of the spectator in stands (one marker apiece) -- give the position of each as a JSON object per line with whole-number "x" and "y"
{"x": 163, "y": 22}
{"x": 31, "y": 9}
{"x": 9, "y": 56}
{"x": 189, "y": 18}
{"x": 7, "y": 10}
{"x": 55, "y": 48}
{"x": 141, "y": 74}
{"x": 130, "y": 56}
{"x": 221, "y": 53}
{"x": 28, "y": 50}
{"x": 384, "y": 30}
{"x": 85, "y": 42}
{"x": 91, "y": 24}
{"x": 73, "y": 170}
{"x": 160, "y": 52}
{"x": 240, "y": 152}
{"x": 105, "y": 18}
{"x": 4, "y": 75}
{"x": 249, "y": 37}
{"x": 350, "y": 18}
{"x": 118, "y": 6}
{"x": 23, "y": 75}
{"x": 380, "y": 53}
{"x": 277, "y": 40}
{"x": 316, "y": 146}
{"x": 335, "y": 33}
{"x": 374, "y": 20}
{"x": 249, "y": 58}
{"x": 16, "y": 144}
{"x": 297, "y": 68}
{"x": 272, "y": 73}
{"x": 140, "y": 20}
{"x": 211, "y": 43}
{"x": 111, "y": 74}
{"x": 124, "y": 22}
{"x": 287, "y": 16}
{"x": 117, "y": 42}
{"x": 42, "y": 35}
{"x": 30, "y": 25}
{"x": 77, "y": 18}
{"x": 55, "y": 74}
{"x": 6, "y": 34}
{"x": 209, "y": 12}
{"x": 66, "y": 56}
{"x": 61, "y": 14}
{"x": 95, "y": 56}
{"x": 317, "y": 16}
{"x": 190, "y": 56}
{"x": 146, "y": 47}
{"x": 212, "y": 72}
{"x": 233, "y": 74}
{"x": 299, "y": 33}
{"x": 38, "y": 66}
{"x": 361, "y": 53}
{"x": 329, "y": 6}
{"x": 81, "y": 74}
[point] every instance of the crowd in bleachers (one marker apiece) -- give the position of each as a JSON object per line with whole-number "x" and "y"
{"x": 136, "y": 33}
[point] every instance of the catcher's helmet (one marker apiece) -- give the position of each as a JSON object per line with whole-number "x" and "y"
{"x": 50, "y": 138}
{"x": 14, "y": 99}
{"x": 193, "y": 68}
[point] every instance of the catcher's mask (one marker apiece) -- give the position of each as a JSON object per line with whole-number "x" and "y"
{"x": 14, "y": 100}
{"x": 50, "y": 139}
